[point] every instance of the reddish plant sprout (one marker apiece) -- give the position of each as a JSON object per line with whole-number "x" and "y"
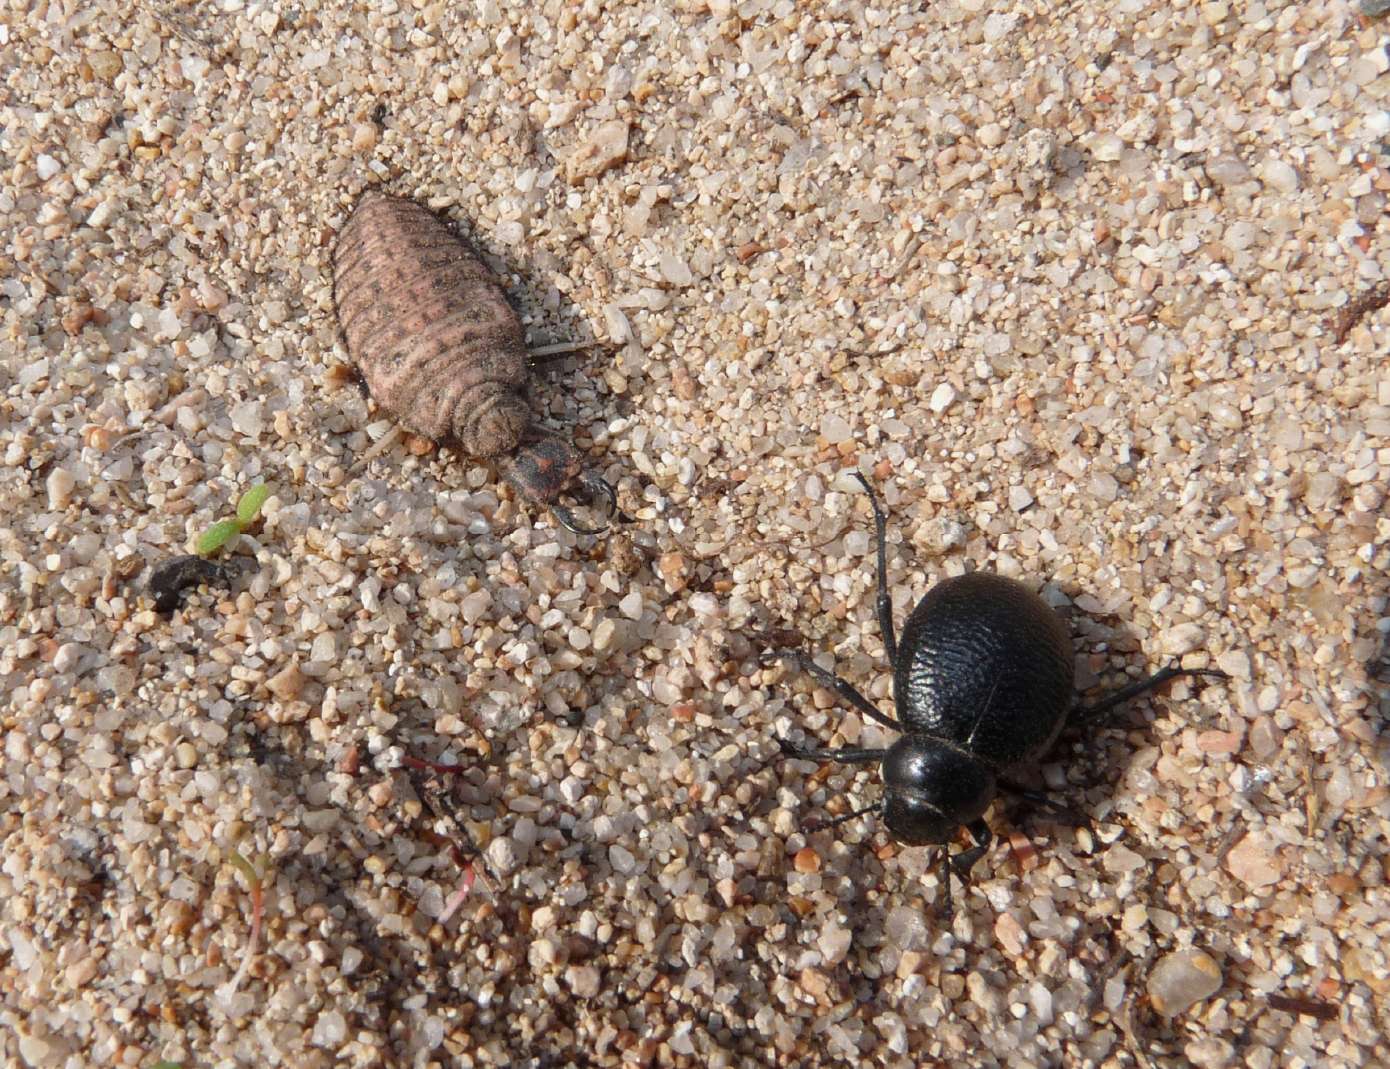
{"x": 254, "y": 879}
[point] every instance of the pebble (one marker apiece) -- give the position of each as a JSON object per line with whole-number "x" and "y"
{"x": 835, "y": 429}
{"x": 583, "y": 980}
{"x": 1180, "y": 980}
{"x": 503, "y": 855}
{"x": 60, "y": 484}
{"x": 806, "y": 860}
{"x": 1254, "y": 863}
{"x": 105, "y": 64}
{"x": 605, "y": 148}
{"x": 287, "y": 683}
{"x": 1184, "y": 638}
{"x": 942, "y": 398}
{"x": 68, "y": 657}
{"x": 834, "y": 942}
{"x": 364, "y": 137}
{"x": 991, "y": 135}
{"x": 622, "y": 860}
{"x": 1120, "y": 858}
{"x": 1280, "y": 175}
{"x": 330, "y": 1029}
{"x": 1106, "y": 147}
{"x": 1010, "y": 934}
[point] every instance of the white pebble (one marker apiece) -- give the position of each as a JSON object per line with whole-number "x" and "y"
{"x": 942, "y": 397}
{"x": 246, "y": 418}
{"x": 1181, "y": 980}
{"x": 674, "y": 270}
{"x": 834, "y": 429}
{"x": 330, "y": 1030}
{"x": 834, "y": 942}
{"x": 60, "y": 484}
{"x": 1280, "y": 175}
{"x": 503, "y": 855}
{"x": 1182, "y": 639}
{"x": 620, "y": 857}
{"x": 991, "y": 135}
{"x": 68, "y": 656}
{"x": 1106, "y": 147}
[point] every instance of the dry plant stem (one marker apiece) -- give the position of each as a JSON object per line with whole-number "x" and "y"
{"x": 1323, "y": 1011}
{"x": 544, "y": 353}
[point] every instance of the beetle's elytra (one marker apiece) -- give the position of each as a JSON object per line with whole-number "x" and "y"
{"x": 983, "y": 684}
{"x": 441, "y": 348}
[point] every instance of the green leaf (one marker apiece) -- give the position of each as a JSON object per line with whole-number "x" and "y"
{"x": 250, "y": 504}
{"x": 245, "y": 868}
{"x": 217, "y": 536}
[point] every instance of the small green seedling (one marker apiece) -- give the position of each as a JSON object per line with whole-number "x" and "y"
{"x": 254, "y": 876}
{"x": 223, "y": 531}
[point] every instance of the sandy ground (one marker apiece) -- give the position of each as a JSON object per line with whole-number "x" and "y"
{"x": 1091, "y": 289}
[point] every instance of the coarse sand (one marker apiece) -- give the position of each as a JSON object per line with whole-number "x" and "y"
{"x": 1094, "y": 291}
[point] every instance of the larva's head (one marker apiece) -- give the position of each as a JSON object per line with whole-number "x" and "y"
{"x": 546, "y": 466}
{"x": 492, "y": 421}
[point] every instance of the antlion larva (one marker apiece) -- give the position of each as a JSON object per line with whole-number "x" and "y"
{"x": 442, "y": 350}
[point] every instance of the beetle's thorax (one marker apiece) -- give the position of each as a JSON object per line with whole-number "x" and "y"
{"x": 931, "y": 788}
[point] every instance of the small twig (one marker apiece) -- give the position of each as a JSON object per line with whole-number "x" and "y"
{"x": 1323, "y": 1011}
{"x": 431, "y": 766}
{"x": 1371, "y": 301}
{"x": 563, "y": 348}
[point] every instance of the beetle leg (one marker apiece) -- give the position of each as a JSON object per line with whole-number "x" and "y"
{"x": 848, "y": 756}
{"x": 821, "y": 825}
{"x": 885, "y": 600}
{"x": 948, "y": 905}
{"x": 1063, "y": 814}
{"x": 831, "y": 681}
{"x": 961, "y": 863}
{"x": 965, "y": 860}
{"x": 1087, "y": 713}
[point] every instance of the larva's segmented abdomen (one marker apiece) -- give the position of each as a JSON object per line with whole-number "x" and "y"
{"x": 429, "y": 327}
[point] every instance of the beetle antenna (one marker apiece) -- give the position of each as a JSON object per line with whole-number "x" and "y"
{"x": 820, "y": 825}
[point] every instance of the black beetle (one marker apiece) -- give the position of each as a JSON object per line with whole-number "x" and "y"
{"x": 982, "y": 683}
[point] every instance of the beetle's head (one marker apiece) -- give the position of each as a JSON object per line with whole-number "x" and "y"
{"x": 545, "y": 466}
{"x": 931, "y": 789}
